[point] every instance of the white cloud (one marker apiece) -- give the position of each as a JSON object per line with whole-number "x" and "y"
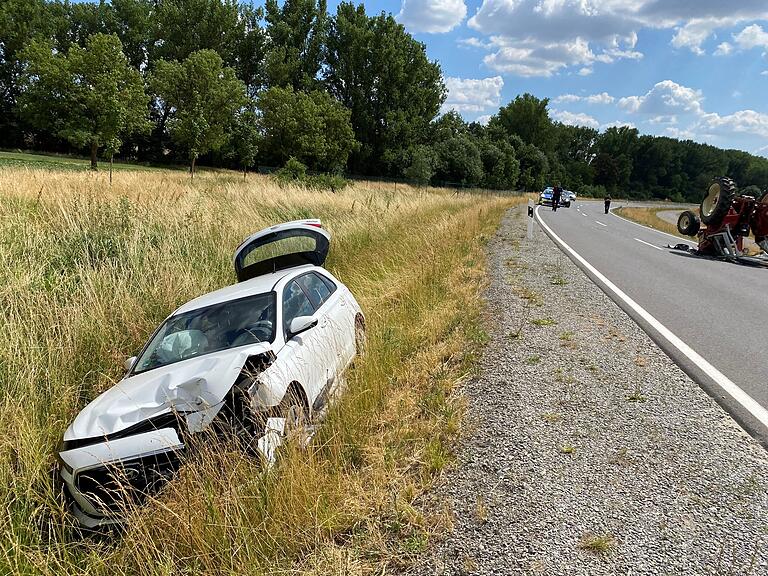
{"x": 475, "y": 96}
{"x": 741, "y": 122}
{"x": 434, "y": 16}
{"x": 529, "y": 59}
{"x": 680, "y": 134}
{"x": 665, "y": 98}
{"x": 566, "y": 98}
{"x": 695, "y": 21}
{"x": 694, "y": 33}
{"x": 602, "y": 98}
{"x": 679, "y": 112}
{"x": 574, "y": 119}
{"x": 764, "y": 73}
{"x": 543, "y": 37}
{"x": 475, "y": 43}
{"x": 591, "y": 20}
{"x": 723, "y": 49}
{"x": 751, "y": 37}
{"x": 663, "y": 119}
{"x": 484, "y": 119}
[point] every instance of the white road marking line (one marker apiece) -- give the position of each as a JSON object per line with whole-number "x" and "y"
{"x": 601, "y": 224}
{"x": 584, "y": 214}
{"x": 649, "y": 244}
{"x": 725, "y": 384}
{"x": 678, "y": 238}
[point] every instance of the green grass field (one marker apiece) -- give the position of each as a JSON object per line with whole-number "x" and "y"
{"x": 61, "y": 162}
{"x": 88, "y": 270}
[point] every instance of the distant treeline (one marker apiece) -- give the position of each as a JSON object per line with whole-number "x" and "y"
{"x": 231, "y": 84}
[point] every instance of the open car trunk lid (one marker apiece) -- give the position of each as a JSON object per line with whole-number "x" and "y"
{"x": 280, "y": 247}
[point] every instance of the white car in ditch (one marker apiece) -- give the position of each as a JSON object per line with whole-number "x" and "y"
{"x": 261, "y": 356}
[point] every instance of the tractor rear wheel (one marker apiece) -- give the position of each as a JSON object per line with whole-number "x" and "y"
{"x": 718, "y": 200}
{"x": 688, "y": 223}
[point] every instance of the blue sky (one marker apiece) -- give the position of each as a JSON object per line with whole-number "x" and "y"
{"x": 693, "y": 69}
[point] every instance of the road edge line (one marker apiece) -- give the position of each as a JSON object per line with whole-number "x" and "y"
{"x": 713, "y": 382}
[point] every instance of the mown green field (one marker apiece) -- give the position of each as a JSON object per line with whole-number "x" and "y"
{"x": 62, "y": 163}
{"x": 88, "y": 270}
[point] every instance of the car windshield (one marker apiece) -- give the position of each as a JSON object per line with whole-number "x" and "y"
{"x": 211, "y": 329}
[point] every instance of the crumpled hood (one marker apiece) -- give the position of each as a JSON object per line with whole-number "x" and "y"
{"x": 187, "y": 386}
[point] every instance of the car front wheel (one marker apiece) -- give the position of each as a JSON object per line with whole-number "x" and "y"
{"x": 294, "y": 409}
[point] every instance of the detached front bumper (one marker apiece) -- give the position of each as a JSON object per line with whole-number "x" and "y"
{"x": 103, "y": 480}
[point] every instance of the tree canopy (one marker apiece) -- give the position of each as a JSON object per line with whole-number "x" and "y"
{"x": 229, "y": 83}
{"x": 202, "y": 98}
{"x": 90, "y": 96}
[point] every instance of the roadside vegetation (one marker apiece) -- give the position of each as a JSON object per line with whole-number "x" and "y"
{"x": 240, "y": 84}
{"x": 649, "y": 217}
{"x": 88, "y": 270}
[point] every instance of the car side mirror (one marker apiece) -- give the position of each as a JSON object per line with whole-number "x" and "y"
{"x": 129, "y": 363}
{"x": 301, "y": 324}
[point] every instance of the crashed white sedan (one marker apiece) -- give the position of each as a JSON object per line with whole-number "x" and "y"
{"x": 262, "y": 355}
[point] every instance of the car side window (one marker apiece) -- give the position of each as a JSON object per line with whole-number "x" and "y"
{"x": 328, "y": 282}
{"x": 295, "y": 304}
{"x": 315, "y": 288}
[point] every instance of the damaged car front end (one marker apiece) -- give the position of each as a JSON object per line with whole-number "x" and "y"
{"x": 237, "y": 360}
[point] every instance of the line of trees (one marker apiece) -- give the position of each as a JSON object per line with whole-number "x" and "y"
{"x": 231, "y": 84}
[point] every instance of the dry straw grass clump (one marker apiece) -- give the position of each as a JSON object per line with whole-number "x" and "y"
{"x": 89, "y": 270}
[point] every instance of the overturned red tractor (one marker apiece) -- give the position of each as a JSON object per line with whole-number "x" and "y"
{"x": 728, "y": 218}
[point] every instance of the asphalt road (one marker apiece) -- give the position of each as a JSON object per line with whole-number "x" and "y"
{"x": 719, "y": 309}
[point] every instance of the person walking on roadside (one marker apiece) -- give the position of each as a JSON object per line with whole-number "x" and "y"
{"x": 607, "y": 203}
{"x": 557, "y": 193}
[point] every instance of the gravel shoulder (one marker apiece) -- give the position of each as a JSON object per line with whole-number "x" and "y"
{"x": 586, "y": 450}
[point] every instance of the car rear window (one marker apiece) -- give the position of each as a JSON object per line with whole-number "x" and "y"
{"x": 315, "y": 288}
{"x": 280, "y": 247}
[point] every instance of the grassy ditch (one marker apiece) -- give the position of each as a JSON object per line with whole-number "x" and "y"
{"x": 649, "y": 217}
{"x": 88, "y": 271}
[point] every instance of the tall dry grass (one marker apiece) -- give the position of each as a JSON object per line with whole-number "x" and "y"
{"x": 88, "y": 271}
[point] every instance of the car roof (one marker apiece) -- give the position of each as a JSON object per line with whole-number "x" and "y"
{"x": 258, "y": 285}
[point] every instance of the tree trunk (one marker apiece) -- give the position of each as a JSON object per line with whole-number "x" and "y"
{"x": 245, "y": 172}
{"x": 192, "y": 167}
{"x": 111, "y": 158}
{"x": 94, "y": 151}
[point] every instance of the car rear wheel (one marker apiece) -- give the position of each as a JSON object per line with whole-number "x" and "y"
{"x": 717, "y": 202}
{"x": 688, "y": 223}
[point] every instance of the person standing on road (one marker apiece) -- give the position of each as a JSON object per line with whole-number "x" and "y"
{"x": 607, "y": 203}
{"x": 557, "y": 193}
